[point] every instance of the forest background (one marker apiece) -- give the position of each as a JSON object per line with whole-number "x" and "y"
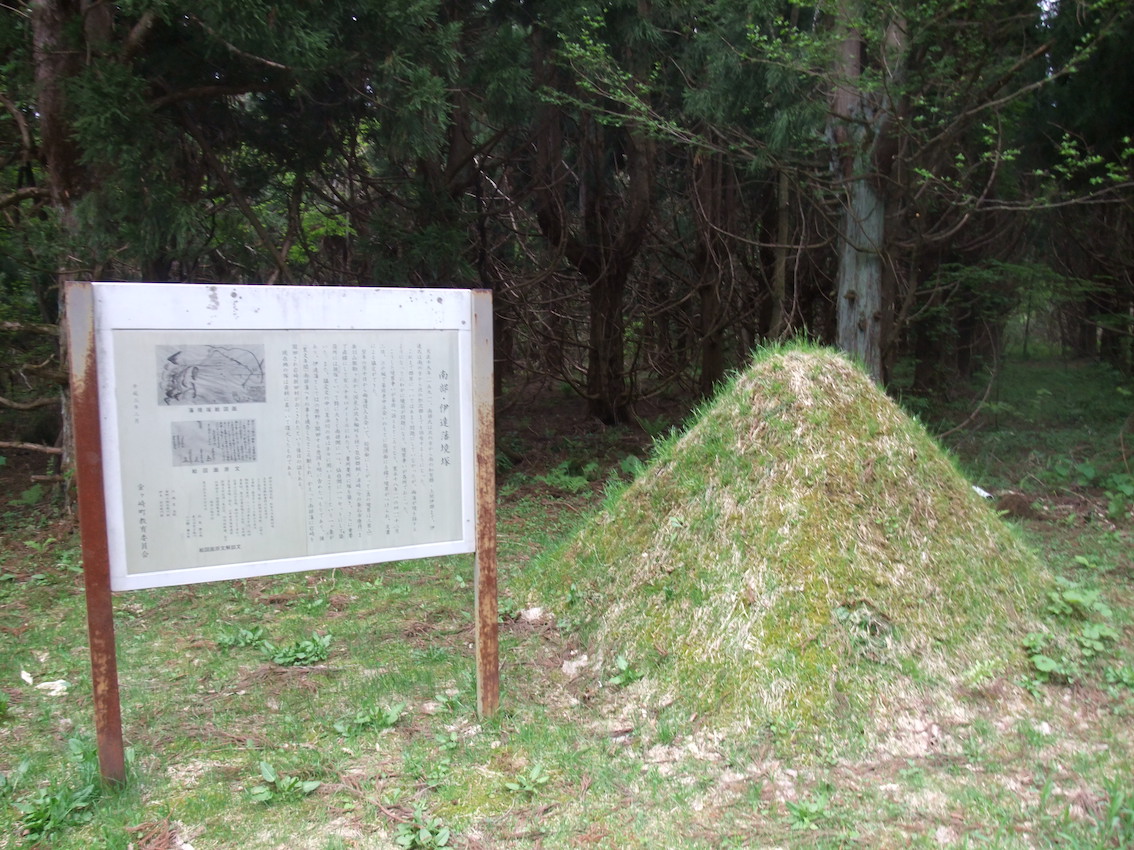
{"x": 649, "y": 188}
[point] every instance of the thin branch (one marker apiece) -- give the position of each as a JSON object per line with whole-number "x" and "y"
{"x": 138, "y": 34}
{"x": 15, "y": 10}
{"x": 978, "y": 408}
{"x": 28, "y": 405}
{"x": 236, "y": 50}
{"x": 24, "y": 194}
{"x": 30, "y": 327}
{"x": 206, "y": 91}
{"x": 21, "y": 122}
{"x": 241, "y": 201}
{"x": 32, "y": 447}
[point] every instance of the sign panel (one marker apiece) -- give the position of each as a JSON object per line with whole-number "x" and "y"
{"x": 251, "y": 430}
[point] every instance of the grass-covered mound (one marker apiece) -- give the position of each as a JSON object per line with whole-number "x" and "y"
{"x": 804, "y": 557}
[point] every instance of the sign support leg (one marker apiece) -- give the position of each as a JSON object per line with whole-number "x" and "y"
{"x": 484, "y": 566}
{"x": 92, "y": 524}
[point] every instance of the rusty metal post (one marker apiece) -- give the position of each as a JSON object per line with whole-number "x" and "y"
{"x": 80, "y": 321}
{"x": 487, "y": 646}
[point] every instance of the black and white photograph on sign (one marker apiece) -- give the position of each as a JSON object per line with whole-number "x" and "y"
{"x": 278, "y": 444}
{"x": 204, "y": 441}
{"x": 210, "y": 374}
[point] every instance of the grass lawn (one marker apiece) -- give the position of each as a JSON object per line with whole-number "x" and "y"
{"x": 337, "y": 709}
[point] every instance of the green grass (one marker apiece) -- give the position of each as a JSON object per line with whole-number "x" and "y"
{"x": 1051, "y": 427}
{"x": 803, "y": 558}
{"x": 942, "y": 746}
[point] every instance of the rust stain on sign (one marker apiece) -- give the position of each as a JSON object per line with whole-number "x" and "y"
{"x": 80, "y": 319}
{"x": 487, "y": 639}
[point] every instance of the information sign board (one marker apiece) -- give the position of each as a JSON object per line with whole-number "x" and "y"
{"x": 254, "y": 430}
{"x": 225, "y": 432}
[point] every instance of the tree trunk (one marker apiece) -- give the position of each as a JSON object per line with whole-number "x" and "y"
{"x": 713, "y": 203}
{"x": 861, "y": 120}
{"x": 859, "y": 288}
{"x": 608, "y": 396}
{"x": 777, "y": 320}
{"x": 58, "y": 59}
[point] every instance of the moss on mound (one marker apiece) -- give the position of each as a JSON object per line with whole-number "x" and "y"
{"x": 802, "y": 557}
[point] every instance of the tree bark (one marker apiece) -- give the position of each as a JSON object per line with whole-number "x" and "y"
{"x": 58, "y": 59}
{"x": 860, "y": 124}
{"x": 777, "y": 320}
{"x": 710, "y": 204}
{"x": 859, "y": 281}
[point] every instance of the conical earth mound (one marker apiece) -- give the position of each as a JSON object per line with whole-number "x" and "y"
{"x": 804, "y": 557}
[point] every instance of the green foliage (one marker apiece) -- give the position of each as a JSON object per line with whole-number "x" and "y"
{"x": 242, "y": 638}
{"x": 1119, "y": 490}
{"x": 1038, "y": 646}
{"x": 12, "y": 780}
{"x": 869, "y": 631}
{"x": 278, "y": 787}
{"x": 70, "y": 559}
{"x": 50, "y": 811}
{"x": 572, "y": 476}
{"x": 529, "y": 783}
{"x": 301, "y": 653}
{"x": 40, "y": 546}
{"x": 809, "y": 812}
{"x": 1116, "y": 826}
{"x": 1071, "y": 599}
{"x": 627, "y": 673}
{"x": 446, "y": 741}
{"x": 1054, "y": 425}
{"x": 448, "y": 702}
{"x": 421, "y": 831}
{"x": 1064, "y": 655}
{"x": 631, "y": 466}
{"x": 1095, "y": 639}
{"x": 376, "y": 717}
{"x": 455, "y": 766}
{"x": 54, "y": 809}
{"x": 740, "y": 545}
{"x": 1076, "y": 164}
{"x": 30, "y": 497}
{"x": 508, "y": 608}
{"x": 1120, "y": 677}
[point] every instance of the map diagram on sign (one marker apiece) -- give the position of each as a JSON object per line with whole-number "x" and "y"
{"x": 210, "y": 374}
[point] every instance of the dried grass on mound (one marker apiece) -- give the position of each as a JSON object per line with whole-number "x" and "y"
{"x": 804, "y": 557}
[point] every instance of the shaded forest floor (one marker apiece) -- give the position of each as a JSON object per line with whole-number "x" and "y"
{"x": 378, "y": 745}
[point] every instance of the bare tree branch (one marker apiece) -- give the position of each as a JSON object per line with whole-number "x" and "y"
{"x": 138, "y": 34}
{"x": 232, "y": 48}
{"x": 24, "y": 194}
{"x": 206, "y": 91}
{"x": 21, "y": 122}
{"x": 30, "y": 327}
{"x": 32, "y": 447}
{"x": 28, "y": 405}
{"x": 278, "y": 259}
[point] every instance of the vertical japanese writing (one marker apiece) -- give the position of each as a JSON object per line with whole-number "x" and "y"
{"x": 143, "y": 525}
{"x": 367, "y": 428}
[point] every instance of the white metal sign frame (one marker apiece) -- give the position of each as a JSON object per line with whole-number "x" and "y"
{"x": 136, "y": 328}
